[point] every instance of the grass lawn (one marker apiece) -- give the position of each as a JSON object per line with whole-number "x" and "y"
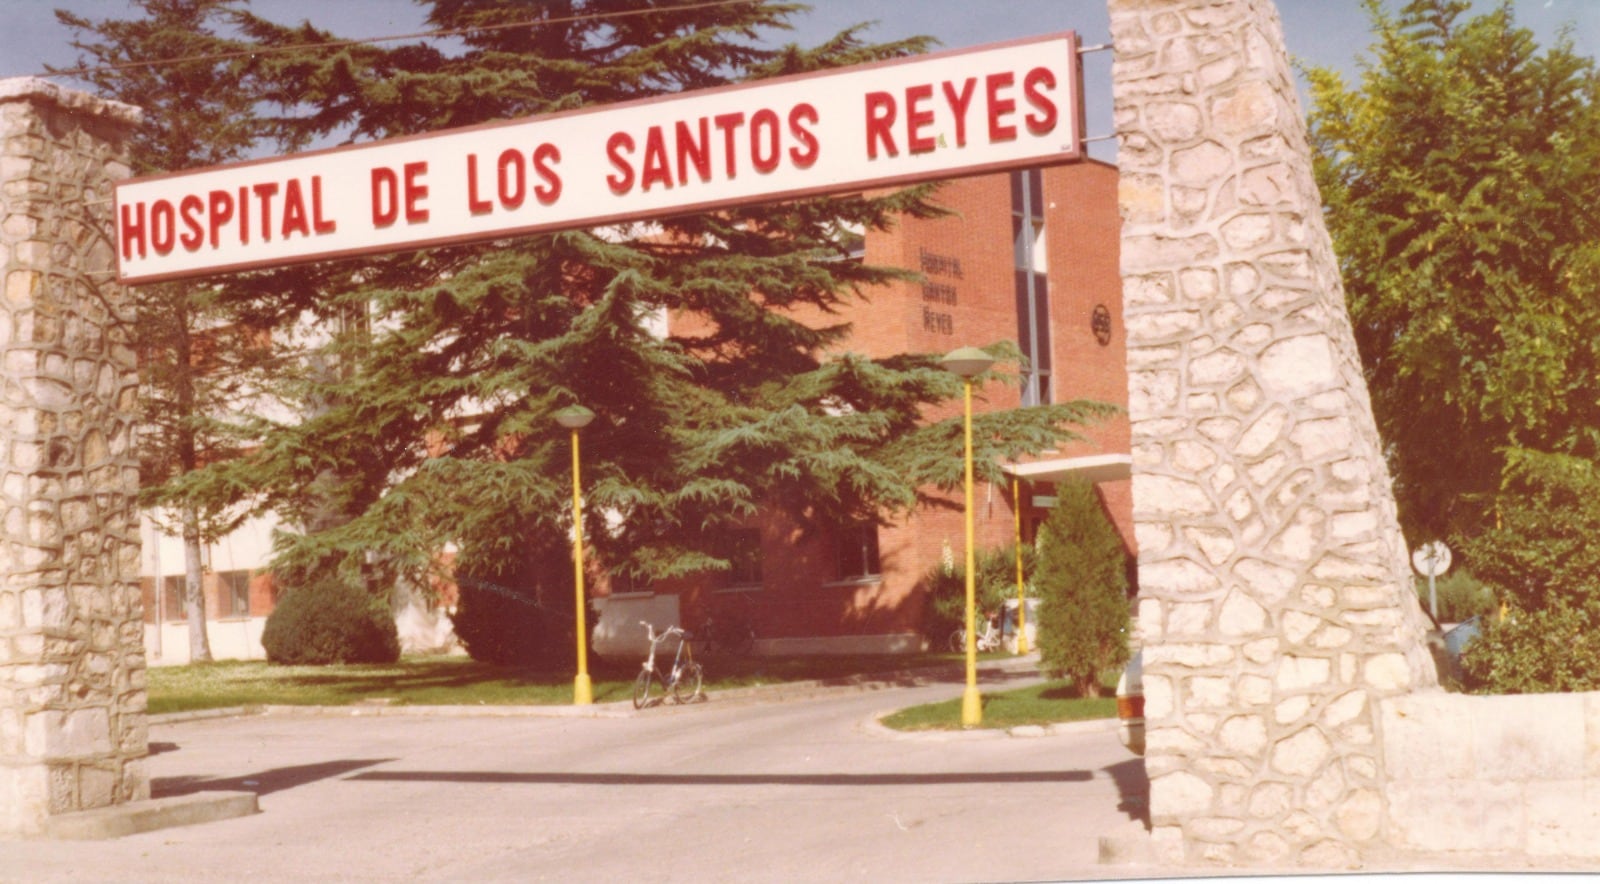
{"x": 460, "y": 681}
{"x": 1041, "y": 704}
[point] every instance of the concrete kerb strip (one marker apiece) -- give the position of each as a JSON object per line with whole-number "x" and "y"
{"x": 791, "y": 690}
{"x": 876, "y": 727}
{"x": 119, "y": 820}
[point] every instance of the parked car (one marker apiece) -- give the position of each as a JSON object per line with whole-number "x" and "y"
{"x": 1130, "y": 705}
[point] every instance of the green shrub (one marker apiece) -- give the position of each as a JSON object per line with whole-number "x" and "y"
{"x": 1082, "y": 576}
{"x": 325, "y": 620}
{"x": 516, "y": 608}
{"x": 1529, "y": 652}
{"x": 1541, "y": 558}
{"x": 1460, "y": 595}
{"x": 995, "y": 581}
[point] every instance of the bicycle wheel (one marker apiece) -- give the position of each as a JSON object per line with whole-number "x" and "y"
{"x": 958, "y": 641}
{"x": 641, "y": 689}
{"x": 687, "y": 687}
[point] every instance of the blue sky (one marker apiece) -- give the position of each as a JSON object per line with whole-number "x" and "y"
{"x": 1330, "y": 33}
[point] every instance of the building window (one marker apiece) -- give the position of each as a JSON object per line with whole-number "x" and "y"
{"x": 1032, "y": 283}
{"x": 744, "y": 557}
{"x": 233, "y": 594}
{"x": 858, "y": 552}
{"x": 172, "y": 597}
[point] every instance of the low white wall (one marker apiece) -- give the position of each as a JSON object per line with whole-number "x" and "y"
{"x": 617, "y": 633}
{"x": 1473, "y": 774}
{"x": 236, "y": 639}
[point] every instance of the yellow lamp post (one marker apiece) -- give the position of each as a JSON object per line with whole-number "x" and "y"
{"x": 969, "y": 362}
{"x": 575, "y": 418}
{"x": 1022, "y": 595}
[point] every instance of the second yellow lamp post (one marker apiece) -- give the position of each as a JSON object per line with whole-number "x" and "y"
{"x": 969, "y": 362}
{"x": 1022, "y": 595}
{"x": 575, "y": 418}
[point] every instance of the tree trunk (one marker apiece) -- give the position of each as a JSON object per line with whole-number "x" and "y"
{"x": 194, "y": 600}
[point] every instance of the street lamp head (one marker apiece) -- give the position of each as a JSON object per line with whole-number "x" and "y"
{"x": 574, "y": 417}
{"x": 969, "y": 362}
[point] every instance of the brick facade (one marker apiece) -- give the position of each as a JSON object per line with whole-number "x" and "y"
{"x": 967, "y": 297}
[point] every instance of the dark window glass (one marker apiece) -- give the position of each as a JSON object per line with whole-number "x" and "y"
{"x": 233, "y": 594}
{"x": 172, "y": 597}
{"x": 744, "y": 555}
{"x": 1041, "y": 321}
{"x": 858, "y": 552}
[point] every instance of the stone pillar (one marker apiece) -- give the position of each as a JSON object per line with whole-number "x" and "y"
{"x": 1275, "y": 603}
{"x": 72, "y": 677}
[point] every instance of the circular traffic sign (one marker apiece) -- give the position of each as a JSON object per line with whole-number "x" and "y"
{"x": 1431, "y": 559}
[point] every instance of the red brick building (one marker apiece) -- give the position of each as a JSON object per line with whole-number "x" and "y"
{"x": 1029, "y": 257}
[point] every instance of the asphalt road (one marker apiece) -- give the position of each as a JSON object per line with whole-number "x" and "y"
{"x": 746, "y": 789}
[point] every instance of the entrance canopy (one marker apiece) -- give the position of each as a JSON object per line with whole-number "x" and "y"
{"x": 1088, "y": 468}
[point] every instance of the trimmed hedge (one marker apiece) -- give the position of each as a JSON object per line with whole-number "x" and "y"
{"x": 328, "y": 621}
{"x": 516, "y": 609}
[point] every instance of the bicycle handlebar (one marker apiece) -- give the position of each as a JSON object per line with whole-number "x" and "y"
{"x": 650, "y": 632}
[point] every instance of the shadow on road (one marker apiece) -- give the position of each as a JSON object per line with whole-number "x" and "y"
{"x": 755, "y": 779}
{"x": 1133, "y": 788}
{"x": 263, "y": 783}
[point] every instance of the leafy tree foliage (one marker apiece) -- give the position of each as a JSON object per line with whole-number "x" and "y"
{"x": 1459, "y": 182}
{"x": 1082, "y": 576}
{"x": 195, "y": 362}
{"x": 750, "y": 401}
{"x": 994, "y": 583}
{"x": 518, "y": 609}
{"x": 1541, "y": 551}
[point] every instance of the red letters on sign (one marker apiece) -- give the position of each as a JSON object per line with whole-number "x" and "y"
{"x": 511, "y": 179}
{"x": 194, "y": 234}
{"x": 958, "y": 102}
{"x": 1044, "y": 118}
{"x": 927, "y": 117}
{"x": 685, "y": 152}
{"x": 999, "y": 107}
{"x": 918, "y": 119}
{"x": 389, "y": 198}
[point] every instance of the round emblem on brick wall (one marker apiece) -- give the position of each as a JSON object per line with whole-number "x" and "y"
{"x": 1100, "y": 323}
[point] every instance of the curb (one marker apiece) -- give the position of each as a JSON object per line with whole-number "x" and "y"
{"x": 877, "y": 728}
{"x": 777, "y": 692}
{"x": 117, "y": 821}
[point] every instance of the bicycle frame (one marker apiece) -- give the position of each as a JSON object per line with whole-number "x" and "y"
{"x": 684, "y": 672}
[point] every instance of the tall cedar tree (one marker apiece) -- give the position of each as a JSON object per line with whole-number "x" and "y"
{"x": 438, "y": 426}
{"x": 1460, "y": 187}
{"x": 1081, "y": 573}
{"x": 194, "y": 361}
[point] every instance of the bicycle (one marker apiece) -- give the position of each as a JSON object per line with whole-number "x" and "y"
{"x": 682, "y": 682}
{"x": 988, "y": 639}
{"x": 735, "y": 637}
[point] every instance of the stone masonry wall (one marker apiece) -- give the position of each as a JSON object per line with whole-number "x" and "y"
{"x": 72, "y": 690}
{"x": 1275, "y": 605}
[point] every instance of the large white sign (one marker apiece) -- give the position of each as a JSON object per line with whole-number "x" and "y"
{"x": 923, "y": 118}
